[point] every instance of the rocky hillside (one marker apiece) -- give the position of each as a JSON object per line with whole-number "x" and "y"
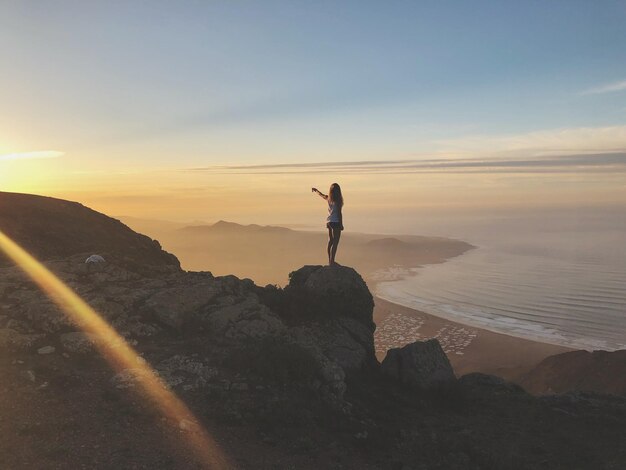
{"x": 52, "y": 228}
{"x": 281, "y": 378}
{"x": 597, "y": 371}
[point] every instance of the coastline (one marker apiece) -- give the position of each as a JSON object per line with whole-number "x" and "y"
{"x": 468, "y": 348}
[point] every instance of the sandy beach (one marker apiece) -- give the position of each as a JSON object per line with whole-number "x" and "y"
{"x": 469, "y": 349}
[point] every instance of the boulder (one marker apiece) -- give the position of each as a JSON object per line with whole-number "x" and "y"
{"x": 247, "y": 318}
{"x": 588, "y": 371}
{"x": 175, "y": 306}
{"x": 332, "y": 291}
{"x": 46, "y": 350}
{"x": 329, "y": 313}
{"x": 343, "y": 341}
{"x": 290, "y": 360}
{"x": 95, "y": 259}
{"x": 421, "y": 365}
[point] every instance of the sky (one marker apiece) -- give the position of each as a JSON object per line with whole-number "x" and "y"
{"x": 233, "y": 109}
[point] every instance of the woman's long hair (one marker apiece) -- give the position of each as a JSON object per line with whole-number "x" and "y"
{"x": 334, "y": 194}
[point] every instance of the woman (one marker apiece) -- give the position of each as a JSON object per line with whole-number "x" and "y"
{"x": 334, "y": 221}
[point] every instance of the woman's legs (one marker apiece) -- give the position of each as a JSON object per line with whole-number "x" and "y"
{"x": 330, "y": 243}
{"x": 335, "y": 236}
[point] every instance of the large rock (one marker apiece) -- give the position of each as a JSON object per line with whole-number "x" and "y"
{"x": 330, "y": 308}
{"x": 175, "y": 306}
{"x": 597, "y": 371}
{"x": 344, "y": 341}
{"x": 246, "y": 318}
{"x": 421, "y": 365}
{"x": 331, "y": 291}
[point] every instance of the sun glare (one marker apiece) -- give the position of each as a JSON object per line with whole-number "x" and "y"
{"x": 117, "y": 352}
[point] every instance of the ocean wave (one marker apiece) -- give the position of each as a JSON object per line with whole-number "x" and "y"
{"x": 543, "y": 299}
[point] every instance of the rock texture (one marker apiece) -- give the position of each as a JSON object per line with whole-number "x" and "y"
{"x": 337, "y": 291}
{"x": 584, "y": 371}
{"x": 77, "y": 342}
{"x": 12, "y": 340}
{"x": 421, "y": 365}
{"x": 329, "y": 311}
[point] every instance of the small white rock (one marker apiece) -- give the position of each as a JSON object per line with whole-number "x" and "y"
{"x": 95, "y": 259}
{"x": 46, "y": 350}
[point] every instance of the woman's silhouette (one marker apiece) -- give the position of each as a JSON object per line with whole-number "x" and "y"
{"x": 334, "y": 221}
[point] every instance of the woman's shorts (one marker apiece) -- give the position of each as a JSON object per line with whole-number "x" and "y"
{"x": 334, "y": 225}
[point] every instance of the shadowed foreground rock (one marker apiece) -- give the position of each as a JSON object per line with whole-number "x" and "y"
{"x": 422, "y": 365}
{"x": 597, "y": 371}
{"x": 335, "y": 291}
{"x": 333, "y": 334}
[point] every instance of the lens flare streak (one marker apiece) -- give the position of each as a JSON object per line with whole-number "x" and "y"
{"x": 117, "y": 352}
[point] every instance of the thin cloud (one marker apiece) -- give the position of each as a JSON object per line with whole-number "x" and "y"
{"x": 565, "y": 141}
{"x": 596, "y": 163}
{"x": 608, "y": 88}
{"x": 31, "y": 155}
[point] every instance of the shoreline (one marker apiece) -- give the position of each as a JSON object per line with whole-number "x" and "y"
{"x": 469, "y": 349}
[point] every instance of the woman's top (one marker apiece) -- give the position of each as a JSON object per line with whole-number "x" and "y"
{"x": 334, "y": 211}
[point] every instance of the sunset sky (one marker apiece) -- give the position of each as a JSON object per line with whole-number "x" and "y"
{"x": 233, "y": 110}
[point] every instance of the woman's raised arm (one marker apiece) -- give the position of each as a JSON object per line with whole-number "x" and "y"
{"x": 315, "y": 190}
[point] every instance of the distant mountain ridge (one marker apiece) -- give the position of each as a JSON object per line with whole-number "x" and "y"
{"x": 223, "y": 226}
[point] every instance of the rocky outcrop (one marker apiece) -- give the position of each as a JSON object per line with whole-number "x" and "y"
{"x": 584, "y": 371}
{"x": 324, "y": 316}
{"x": 333, "y": 291}
{"x": 485, "y": 384}
{"x": 421, "y": 365}
{"x": 330, "y": 310}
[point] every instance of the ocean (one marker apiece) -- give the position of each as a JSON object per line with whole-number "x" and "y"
{"x": 557, "y": 277}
